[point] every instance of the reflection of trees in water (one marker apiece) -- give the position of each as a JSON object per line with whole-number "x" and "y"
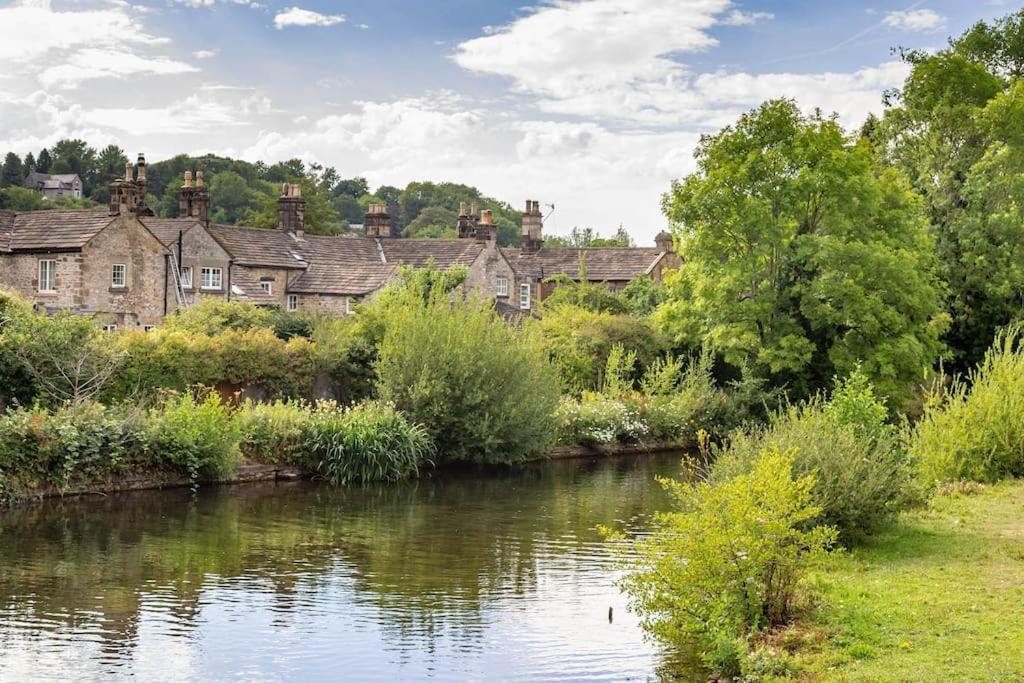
{"x": 427, "y": 556}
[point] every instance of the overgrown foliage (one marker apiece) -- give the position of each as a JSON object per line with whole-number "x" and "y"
{"x": 974, "y": 428}
{"x": 728, "y": 563}
{"x": 485, "y": 391}
{"x": 862, "y": 476}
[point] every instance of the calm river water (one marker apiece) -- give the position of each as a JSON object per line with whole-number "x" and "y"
{"x": 459, "y": 576}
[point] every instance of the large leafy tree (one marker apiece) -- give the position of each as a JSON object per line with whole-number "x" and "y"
{"x": 951, "y": 129}
{"x": 11, "y": 171}
{"x": 802, "y": 257}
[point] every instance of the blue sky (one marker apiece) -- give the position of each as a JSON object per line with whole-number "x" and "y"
{"x": 591, "y": 105}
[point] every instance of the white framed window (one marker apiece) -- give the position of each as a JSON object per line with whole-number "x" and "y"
{"x": 212, "y": 278}
{"x": 110, "y": 328}
{"x": 186, "y": 277}
{"x": 267, "y": 286}
{"x": 349, "y": 305}
{"x": 119, "y": 276}
{"x": 524, "y": 296}
{"x": 502, "y": 286}
{"x": 293, "y": 302}
{"x": 47, "y": 275}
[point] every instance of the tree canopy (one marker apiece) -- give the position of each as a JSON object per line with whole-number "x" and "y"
{"x": 802, "y": 256}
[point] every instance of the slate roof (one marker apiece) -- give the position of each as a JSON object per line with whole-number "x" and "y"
{"x": 342, "y": 266}
{"x": 602, "y": 264}
{"x": 446, "y": 253}
{"x": 52, "y": 230}
{"x": 255, "y": 247}
{"x": 166, "y": 229}
{"x": 6, "y": 226}
{"x": 247, "y": 288}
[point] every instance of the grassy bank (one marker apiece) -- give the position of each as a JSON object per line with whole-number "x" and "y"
{"x": 939, "y": 596}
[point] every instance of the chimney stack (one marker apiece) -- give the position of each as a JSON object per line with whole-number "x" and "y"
{"x": 486, "y": 230}
{"x": 378, "y": 221}
{"x": 466, "y": 225}
{"x": 663, "y": 240}
{"x": 194, "y": 199}
{"x": 533, "y": 223}
{"x": 128, "y": 195}
{"x": 291, "y": 210}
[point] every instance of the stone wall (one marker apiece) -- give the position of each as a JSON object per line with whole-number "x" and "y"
{"x": 199, "y": 249}
{"x": 485, "y": 271}
{"x": 140, "y": 302}
{"x": 21, "y": 273}
{"x": 279, "y": 278}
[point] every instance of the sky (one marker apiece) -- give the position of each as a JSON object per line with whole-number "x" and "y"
{"x": 592, "y": 107}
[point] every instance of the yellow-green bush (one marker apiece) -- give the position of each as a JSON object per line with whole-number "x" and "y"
{"x": 974, "y": 429}
{"x": 194, "y": 436}
{"x": 728, "y": 562}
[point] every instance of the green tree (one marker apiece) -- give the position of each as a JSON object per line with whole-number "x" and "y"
{"x": 110, "y": 163}
{"x": 29, "y": 164}
{"x": 587, "y": 238}
{"x": 230, "y": 198}
{"x": 960, "y": 155}
{"x": 10, "y": 172}
{"x": 432, "y": 221}
{"x": 44, "y": 161}
{"x": 801, "y": 257}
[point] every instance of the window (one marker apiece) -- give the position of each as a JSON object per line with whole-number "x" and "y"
{"x": 502, "y": 286}
{"x": 147, "y": 328}
{"x": 524, "y": 296}
{"x": 47, "y": 276}
{"x": 186, "y": 277}
{"x": 211, "y": 278}
{"x": 267, "y": 286}
{"x": 110, "y": 328}
{"x": 293, "y": 302}
{"x": 119, "y": 275}
{"x": 348, "y": 304}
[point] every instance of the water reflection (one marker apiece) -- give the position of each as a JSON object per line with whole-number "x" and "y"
{"x": 467, "y": 577}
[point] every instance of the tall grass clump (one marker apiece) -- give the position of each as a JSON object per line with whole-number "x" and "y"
{"x": 485, "y": 390}
{"x": 974, "y": 428}
{"x": 862, "y": 475}
{"x": 367, "y": 442}
{"x": 195, "y": 436}
{"x": 728, "y": 562}
{"x": 274, "y": 431}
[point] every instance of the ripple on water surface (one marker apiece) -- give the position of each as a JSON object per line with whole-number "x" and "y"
{"x": 454, "y": 577}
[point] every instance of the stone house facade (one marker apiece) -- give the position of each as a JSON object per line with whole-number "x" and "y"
{"x": 55, "y": 185}
{"x": 136, "y": 268}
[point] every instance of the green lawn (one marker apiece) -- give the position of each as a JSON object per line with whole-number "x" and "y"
{"x": 940, "y": 597}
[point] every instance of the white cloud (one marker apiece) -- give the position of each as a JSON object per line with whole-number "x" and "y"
{"x": 31, "y": 29}
{"x": 93, "y": 63}
{"x": 740, "y": 18}
{"x": 205, "y": 54}
{"x": 296, "y": 16}
{"x": 914, "y": 20}
{"x": 607, "y": 60}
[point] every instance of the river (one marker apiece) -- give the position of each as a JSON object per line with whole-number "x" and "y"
{"x": 459, "y": 576}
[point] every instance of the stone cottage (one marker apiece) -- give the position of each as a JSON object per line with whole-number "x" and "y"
{"x": 55, "y": 185}
{"x": 135, "y": 267}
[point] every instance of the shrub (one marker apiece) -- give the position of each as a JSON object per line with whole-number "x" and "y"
{"x": 485, "y": 390}
{"x": 974, "y": 430}
{"x": 15, "y": 382}
{"x": 728, "y": 563}
{"x": 212, "y": 316}
{"x": 195, "y": 436}
{"x": 71, "y": 445}
{"x": 579, "y": 342}
{"x": 272, "y": 431}
{"x": 598, "y": 419}
{"x": 861, "y": 472}
{"x": 176, "y": 360}
{"x": 368, "y": 442}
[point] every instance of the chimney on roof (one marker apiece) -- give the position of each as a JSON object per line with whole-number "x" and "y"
{"x": 194, "y": 199}
{"x": 663, "y": 240}
{"x": 378, "y": 221}
{"x": 127, "y": 195}
{"x": 143, "y": 185}
{"x": 486, "y": 230}
{"x": 533, "y": 224}
{"x": 466, "y": 225}
{"x": 291, "y": 210}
